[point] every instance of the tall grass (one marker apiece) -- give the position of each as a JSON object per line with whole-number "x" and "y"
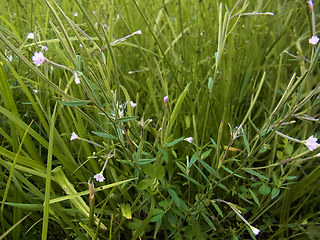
{"x": 223, "y": 156}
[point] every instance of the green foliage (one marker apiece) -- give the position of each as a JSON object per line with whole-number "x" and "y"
{"x": 242, "y": 82}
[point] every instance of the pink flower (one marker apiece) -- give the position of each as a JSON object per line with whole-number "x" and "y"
{"x": 76, "y": 77}
{"x": 255, "y": 231}
{"x": 314, "y": 40}
{"x": 165, "y": 99}
{"x": 73, "y": 136}
{"x": 138, "y": 32}
{"x": 30, "y": 35}
{"x": 99, "y": 177}
{"x": 44, "y": 48}
{"x": 310, "y": 4}
{"x": 311, "y": 143}
{"x": 133, "y": 105}
{"x": 38, "y": 58}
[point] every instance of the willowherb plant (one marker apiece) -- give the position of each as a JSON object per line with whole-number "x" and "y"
{"x": 139, "y": 146}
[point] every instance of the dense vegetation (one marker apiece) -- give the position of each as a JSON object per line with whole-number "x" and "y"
{"x": 173, "y": 119}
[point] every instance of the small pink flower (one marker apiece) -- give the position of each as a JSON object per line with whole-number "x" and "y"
{"x": 38, "y": 58}
{"x": 44, "y": 48}
{"x": 73, "y": 136}
{"x": 30, "y": 35}
{"x": 138, "y": 32}
{"x": 99, "y": 177}
{"x": 165, "y": 99}
{"x": 133, "y": 105}
{"x": 76, "y": 77}
{"x": 255, "y": 231}
{"x": 314, "y": 40}
{"x": 311, "y": 143}
{"x": 310, "y": 4}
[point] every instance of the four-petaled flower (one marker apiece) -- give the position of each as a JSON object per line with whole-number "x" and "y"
{"x": 44, "y": 48}
{"x": 30, "y": 35}
{"x": 311, "y": 143}
{"x": 73, "y": 136}
{"x": 38, "y": 58}
{"x": 189, "y": 139}
{"x": 165, "y": 99}
{"x": 255, "y": 231}
{"x": 76, "y": 77}
{"x": 99, "y": 177}
{"x": 133, "y": 104}
{"x": 310, "y": 4}
{"x": 314, "y": 40}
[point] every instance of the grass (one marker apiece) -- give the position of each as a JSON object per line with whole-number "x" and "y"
{"x": 241, "y": 80}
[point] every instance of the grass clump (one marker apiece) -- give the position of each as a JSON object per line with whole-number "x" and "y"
{"x": 159, "y": 119}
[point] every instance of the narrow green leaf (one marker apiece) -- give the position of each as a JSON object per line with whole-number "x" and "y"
{"x": 126, "y": 119}
{"x": 176, "y": 111}
{"x": 205, "y": 154}
{"x": 174, "y": 196}
{"x": 145, "y": 161}
{"x": 229, "y": 171}
{"x": 156, "y": 217}
{"x": 217, "y": 207}
{"x": 254, "y": 196}
{"x": 275, "y": 192}
{"x": 104, "y": 135}
{"x": 190, "y": 179}
{"x": 209, "y": 169}
{"x": 74, "y": 103}
{"x": 210, "y": 84}
{"x": 174, "y": 142}
{"x": 256, "y": 174}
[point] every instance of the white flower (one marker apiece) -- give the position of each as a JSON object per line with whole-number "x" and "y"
{"x": 133, "y": 105}
{"x": 189, "y": 139}
{"x": 311, "y": 143}
{"x": 73, "y": 136}
{"x": 99, "y": 177}
{"x": 9, "y": 57}
{"x": 38, "y": 58}
{"x": 255, "y": 231}
{"x": 314, "y": 40}
{"x": 80, "y": 45}
{"x": 138, "y": 32}
{"x": 76, "y": 77}
{"x": 94, "y": 12}
{"x": 30, "y": 35}
{"x": 36, "y": 91}
{"x": 75, "y": 14}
